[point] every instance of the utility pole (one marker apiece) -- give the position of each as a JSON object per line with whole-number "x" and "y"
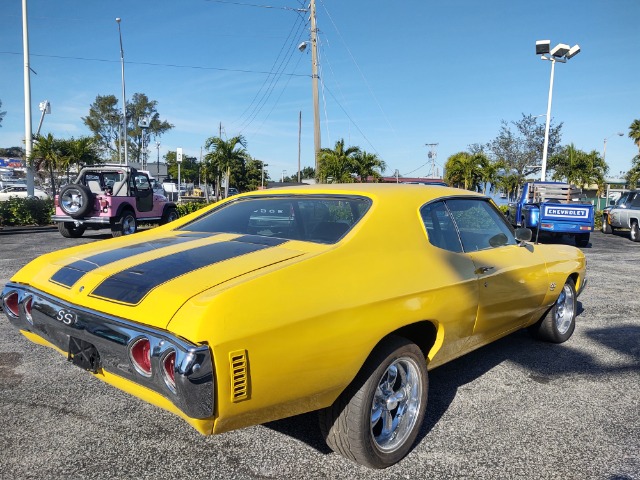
{"x": 314, "y": 83}
{"x": 432, "y": 156}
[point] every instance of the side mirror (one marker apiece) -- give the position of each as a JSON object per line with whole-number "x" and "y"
{"x": 523, "y": 235}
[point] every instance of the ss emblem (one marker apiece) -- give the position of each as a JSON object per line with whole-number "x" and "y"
{"x": 65, "y": 316}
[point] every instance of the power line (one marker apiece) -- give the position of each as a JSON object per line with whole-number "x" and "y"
{"x": 128, "y": 62}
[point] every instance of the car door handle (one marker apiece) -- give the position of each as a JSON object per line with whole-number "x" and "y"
{"x": 482, "y": 270}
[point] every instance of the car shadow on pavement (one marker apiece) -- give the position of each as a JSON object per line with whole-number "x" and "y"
{"x": 544, "y": 362}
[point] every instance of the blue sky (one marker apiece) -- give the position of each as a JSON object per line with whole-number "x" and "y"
{"x": 396, "y": 75}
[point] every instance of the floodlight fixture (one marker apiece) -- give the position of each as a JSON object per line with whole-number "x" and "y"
{"x": 542, "y": 47}
{"x": 559, "y": 50}
{"x": 573, "y": 51}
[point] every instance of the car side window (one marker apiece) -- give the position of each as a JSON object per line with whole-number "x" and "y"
{"x": 480, "y": 225}
{"x": 441, "y": 230}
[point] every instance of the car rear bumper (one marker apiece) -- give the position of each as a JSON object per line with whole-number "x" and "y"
{"x": 105, "y": 341}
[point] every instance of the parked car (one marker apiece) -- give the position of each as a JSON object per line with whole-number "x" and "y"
{"x": 20, "y": 190}
{"x": 110, "y": 196}
{"x": 623, "y": 214}
{"x": 269, "y": 304}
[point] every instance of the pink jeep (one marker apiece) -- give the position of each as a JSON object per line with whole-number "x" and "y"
{"x": 110, "y": 196}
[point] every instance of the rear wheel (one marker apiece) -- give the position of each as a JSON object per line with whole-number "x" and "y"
{"x": 606, "y": 227}
{"x": 582, "y": 240}
{"x": 126, "y": 224}
{"x": 558, "y": 324}
{"x": 635, "y": 232}
{"x": 70, "y": 229}
{"x": 375, "y": 421}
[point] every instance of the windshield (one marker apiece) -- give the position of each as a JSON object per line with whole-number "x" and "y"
{"x": 321, "y": 219}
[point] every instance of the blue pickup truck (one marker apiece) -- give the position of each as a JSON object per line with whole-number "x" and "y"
{"x": 553, "y": 208}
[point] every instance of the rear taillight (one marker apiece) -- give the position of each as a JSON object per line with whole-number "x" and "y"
{"x": 28, "y": 305}
{"x": 11, "y": 302}
{"x": 140, "y": 355}
{"x": 169, "y": 370}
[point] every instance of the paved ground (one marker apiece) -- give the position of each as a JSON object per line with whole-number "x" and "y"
{"x": 514, "y": 409}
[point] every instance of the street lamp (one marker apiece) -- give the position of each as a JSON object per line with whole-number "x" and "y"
{"x": 124, "y": 97}
{"x": 604, "y": 150}
{"x": 560, "y": 53}
{"x": 45, "y": 107}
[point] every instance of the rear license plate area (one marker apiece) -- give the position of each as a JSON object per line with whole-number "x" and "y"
{"x": 84, "y": 355}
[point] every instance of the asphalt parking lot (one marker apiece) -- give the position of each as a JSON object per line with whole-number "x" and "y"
{"x": 514, "y": 409}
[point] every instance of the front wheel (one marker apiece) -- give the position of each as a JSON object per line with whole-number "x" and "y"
{"x": 635, "y": 232}
{"x": 375, "y": 421}
{"x": 606, "y": 226}
{"x": 125, "y": 225}
{"x": 70, "y": 229}
{"x": 558, "y": 324}
{"x": 169, "y": 216}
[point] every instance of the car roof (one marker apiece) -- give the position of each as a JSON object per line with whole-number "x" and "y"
{"x": 377, "y": 191}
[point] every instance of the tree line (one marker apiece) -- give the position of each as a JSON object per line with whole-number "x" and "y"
{"x": 504, "y": 163}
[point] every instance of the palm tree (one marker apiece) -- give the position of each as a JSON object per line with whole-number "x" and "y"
{"x": 367, "y": 165}
{"x": 80, "y": 151}
{"x": 578, "y": 167}
{"x": 47, "y": 155}
{"x": 634, "y": 132}
{"x": 464, "y": 169}
{"x": 337, "y": 163}
{"x": 225, "y": 155}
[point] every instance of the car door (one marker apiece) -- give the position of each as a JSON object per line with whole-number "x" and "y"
{"x": 144, "y": 193}
{"x": 512, "y": 279}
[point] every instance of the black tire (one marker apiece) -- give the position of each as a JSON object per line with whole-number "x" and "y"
{"x": 606, "y": 227}
{"x": 169, "y": 215}
{"x": 558, "y": 324}
{"x": 635, "y": 232}
{"x": 125, "y": 225}
{"x": 582, "y": 239}
{"x": 350, "y": 426}
{"x": 75, "y": 200}
{"x": 70, "y": 229}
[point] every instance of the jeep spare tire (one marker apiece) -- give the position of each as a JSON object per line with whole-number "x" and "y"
{"x": 76, "y": 200}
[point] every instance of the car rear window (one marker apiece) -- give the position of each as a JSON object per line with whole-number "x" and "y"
{"x": 321, "y": 219}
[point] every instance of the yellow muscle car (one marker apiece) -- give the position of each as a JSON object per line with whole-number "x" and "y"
{"x": 336, "y": 298}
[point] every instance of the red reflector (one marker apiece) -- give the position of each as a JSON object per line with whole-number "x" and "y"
{"x": 140, "y": 354}
{"x": 11, "y": 304}
{"x": 169, "y": 370}
{"x": 585, "y": 228}
{"x": 547, "y": 225}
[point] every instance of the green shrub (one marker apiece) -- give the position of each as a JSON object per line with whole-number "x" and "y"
{"x": 597, "y": 222}
{"x": 19, "y": 211}
{"x": 189, "y": 207}
{"x": 504, "y": 209}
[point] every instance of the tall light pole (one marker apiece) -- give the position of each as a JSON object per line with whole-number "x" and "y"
{"x": 28, "y": 134}
{"x": 263, "y": 165}
{"x": 158, "y": 164}
{"x": 124, "y": 97}
{"x": 604, "y": 150}
{"x": 560, "y": 53}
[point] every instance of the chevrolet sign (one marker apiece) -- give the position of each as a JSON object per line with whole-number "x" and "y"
{"x": 566, "y": 212}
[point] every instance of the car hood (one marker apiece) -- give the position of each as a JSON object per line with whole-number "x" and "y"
{"x": 148, "y": 280}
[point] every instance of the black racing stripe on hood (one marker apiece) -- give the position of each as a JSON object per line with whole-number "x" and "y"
{"x": 68, "y": 275}
{"x": 131, "y": 285}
